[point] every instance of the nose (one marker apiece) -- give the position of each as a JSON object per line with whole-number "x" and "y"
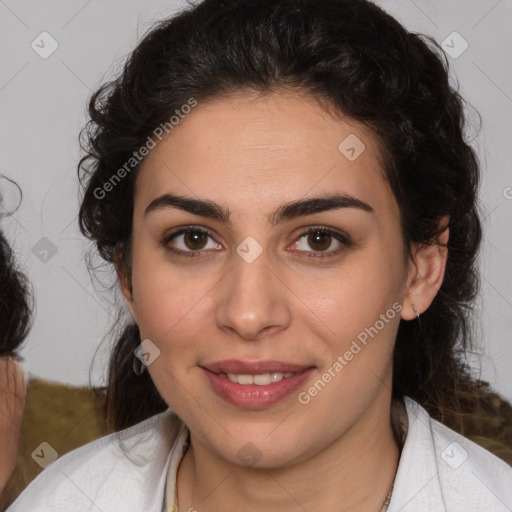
{"x": 253, "y": 300}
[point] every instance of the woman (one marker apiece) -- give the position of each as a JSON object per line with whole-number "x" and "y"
{"x": 287, "y": 197}
{"x": 15, "y": 316}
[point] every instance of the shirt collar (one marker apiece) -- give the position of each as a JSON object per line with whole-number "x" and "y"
{"x": 416, "y": 483}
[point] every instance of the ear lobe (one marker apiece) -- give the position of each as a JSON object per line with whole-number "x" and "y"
{"x": 127, "y": 295}
{"x": 427, "y": 274}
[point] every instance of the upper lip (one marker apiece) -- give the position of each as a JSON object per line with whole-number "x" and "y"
{"x": 254, "y": 368}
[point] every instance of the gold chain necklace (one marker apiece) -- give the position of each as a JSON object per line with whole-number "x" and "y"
{"x": 388, "y": 498}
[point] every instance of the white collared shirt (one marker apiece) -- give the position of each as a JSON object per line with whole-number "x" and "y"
{"x": 135, "y": 471}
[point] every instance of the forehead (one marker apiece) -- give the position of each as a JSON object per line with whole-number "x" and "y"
{"x": 254, "y": 151}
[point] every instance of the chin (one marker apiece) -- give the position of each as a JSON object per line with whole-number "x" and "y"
{"x": 261, "y": 449}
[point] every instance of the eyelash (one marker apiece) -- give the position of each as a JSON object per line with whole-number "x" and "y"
{"x": 340, "y": 237}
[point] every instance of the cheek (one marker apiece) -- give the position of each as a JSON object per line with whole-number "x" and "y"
{"x": 166, "y": 307}
{"x": 169, "y": 301}
{"x": 171, "y": 314}
{"x": 351, "y": 297}
{"x": 359, "y": 310}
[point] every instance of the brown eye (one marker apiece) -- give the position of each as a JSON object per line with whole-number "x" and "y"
{"x": 189, "y": 242}
{"x": 319, "y": 240}
{"x": 322, "y": 242}
{"x": 195, "y": 239}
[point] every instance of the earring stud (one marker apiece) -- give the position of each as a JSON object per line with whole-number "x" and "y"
{"x": 415, "y": 312}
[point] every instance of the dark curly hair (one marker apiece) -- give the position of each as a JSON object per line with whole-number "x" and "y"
{"x": 15, "y": 302}
{"x": 358, "y": 60}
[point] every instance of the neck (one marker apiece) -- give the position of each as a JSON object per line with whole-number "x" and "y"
{"x": 354, "y": 473}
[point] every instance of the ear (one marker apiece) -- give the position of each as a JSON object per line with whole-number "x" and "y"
{"x": 426, "y": 273}
{"x": 124, "y": 280}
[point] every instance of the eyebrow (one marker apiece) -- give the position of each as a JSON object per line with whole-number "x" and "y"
{"x": 286, "y": 212}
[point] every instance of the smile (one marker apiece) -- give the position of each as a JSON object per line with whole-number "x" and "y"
{"x": 262, "y": 379}
{"x": 256, "y": 390}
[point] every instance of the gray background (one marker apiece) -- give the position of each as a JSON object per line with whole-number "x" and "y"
{"x": 42, "y": 106}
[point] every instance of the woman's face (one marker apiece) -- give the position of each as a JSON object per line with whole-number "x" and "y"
{"x": 250, "y": 285}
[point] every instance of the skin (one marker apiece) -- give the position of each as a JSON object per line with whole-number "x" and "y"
{"x": 12, "y": 403}
{"x": 251, "y": 154}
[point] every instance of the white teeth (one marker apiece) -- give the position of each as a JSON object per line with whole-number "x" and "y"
{"x": 263, "y": 379}
{"x": 244, "y": 379}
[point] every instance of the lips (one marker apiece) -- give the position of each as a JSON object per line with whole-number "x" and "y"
{"x": 254, "y": 368}
{"x": 255, "y": 385}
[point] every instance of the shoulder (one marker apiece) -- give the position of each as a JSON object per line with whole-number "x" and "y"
{"x": 468, "y": 471}
{"x": 123, "y": 469}
{"x": 456, "y": 474}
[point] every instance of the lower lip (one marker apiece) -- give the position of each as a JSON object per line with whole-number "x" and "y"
{"x": 252, "y": 396}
